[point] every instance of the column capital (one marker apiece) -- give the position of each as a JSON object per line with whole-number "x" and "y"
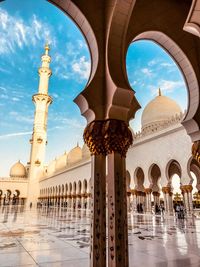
{"x": 196, "y": 150}
{"x": 107, "y": 136}
{"x": 166, "y": 189}
{"x": 134, "y": 192}
{"x": 148, "y": 190}
{"x": 186, "y": 188}
{"x": 156, "y": 194}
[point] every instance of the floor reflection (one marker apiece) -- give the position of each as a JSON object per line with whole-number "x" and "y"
{"x": 61, "y": 237}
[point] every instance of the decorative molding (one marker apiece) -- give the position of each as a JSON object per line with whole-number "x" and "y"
{"x": 108, "y": 136}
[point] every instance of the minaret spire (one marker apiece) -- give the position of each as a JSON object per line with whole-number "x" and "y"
{"x": 159, "y": 92}
{"x": 39, "y": 137}
{"x": 42, "y": 101}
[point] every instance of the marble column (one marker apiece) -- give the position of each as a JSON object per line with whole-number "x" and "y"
{"x": 189, "y": 190}
{"x": 128, "y": 200}
{"x": 69, "y": 204}
{"x": 112, "y": 138}
{"x": 94, "y": 138}
{"x": 148, "y": 199}
{"x": 117, "y": 212}
{"x": 134, "y": 203}
{"x": 98, "y": 211}
{"x": 166, "y": 190}
{"x": 187, "y": 198}
{"x": 118, "y": 138}
{"x": 156, "y": 198}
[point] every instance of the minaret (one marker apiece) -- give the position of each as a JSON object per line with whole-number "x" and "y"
{"x": 39, "y": 137}
{"x": 42, "y": 101}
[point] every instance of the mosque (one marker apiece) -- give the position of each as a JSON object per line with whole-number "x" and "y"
{"x": 159, "y": 151}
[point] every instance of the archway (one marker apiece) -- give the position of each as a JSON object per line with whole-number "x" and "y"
{"x": 173, "y": 194}
{"x": 154, "y": 177}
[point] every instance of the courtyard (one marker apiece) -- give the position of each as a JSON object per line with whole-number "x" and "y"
{"x": 59, "y": 237}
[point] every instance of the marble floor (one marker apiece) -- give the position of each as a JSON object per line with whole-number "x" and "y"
{"x": 54, "y": 238}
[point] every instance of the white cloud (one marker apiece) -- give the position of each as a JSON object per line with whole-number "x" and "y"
{"x": 3, "y": 89}
{"x": 3, "y": 96}
{"x": 21, "y": 118}
{"x": 152, "y": 62}
{"x": 167, "y": 64}
{"x": 147, "y": 71}
{"x": 82, "y": 67}
{"x": 15, "y": 99}
{"x": 167, "y": 86}
{"x": 15, "y": 32}
{"x": 5, "y": 136}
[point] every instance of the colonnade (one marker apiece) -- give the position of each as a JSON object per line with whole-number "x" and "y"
{"x": 9, "y": 198}
{"x": 146, "y": 197}
{"x": 74, "y": 201}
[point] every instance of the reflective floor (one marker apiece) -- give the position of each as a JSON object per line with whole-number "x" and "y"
{"x": 61, "y": 238}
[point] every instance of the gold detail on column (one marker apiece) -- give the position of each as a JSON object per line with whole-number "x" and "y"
{"x": 186, "y": 188}
{"x": 196, "y": 150}
{"x": 108, "y": 136}
{"x": 166, "y": 190}
{"x": 148, "y": 190}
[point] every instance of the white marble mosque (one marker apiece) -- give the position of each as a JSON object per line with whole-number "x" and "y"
{"x": 55, "y": 231}
{"x": 152, "y": 161}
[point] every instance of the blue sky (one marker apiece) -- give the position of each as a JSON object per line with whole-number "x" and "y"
{"x": 25, "y": 26}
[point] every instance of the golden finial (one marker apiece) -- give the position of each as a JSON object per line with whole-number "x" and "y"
{"x": 47, "y": 48}
{"x": 159, "y": 92}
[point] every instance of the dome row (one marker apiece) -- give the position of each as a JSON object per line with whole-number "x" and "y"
{"x": 75, "y": 155}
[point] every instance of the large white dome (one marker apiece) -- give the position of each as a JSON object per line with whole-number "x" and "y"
{"x": 18, "y": 170}
{"x": 161, "y": 109}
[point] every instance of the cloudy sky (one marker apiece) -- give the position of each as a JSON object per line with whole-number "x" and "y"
{"x": 24, "y": 29}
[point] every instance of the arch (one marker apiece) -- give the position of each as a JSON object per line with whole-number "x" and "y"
{"x": 84, "y": 186}
{"x": 8, "y": 191}
{"x": 186, "y": 69}
{"x": 74, "y": 188}
{"x": 173, "y": 167}
{"x": 66, "y": 188}
{"x": 139, "y": 179}
{"x": 17, "y": 192}
{"x": 70, "y": 188}
{"x": 79, "y": 187}
{"x": 194, "y": 167}
{"x": 69, "y": 8}
{"x": 154, "y": 174}
{"x": 63, "y": 189}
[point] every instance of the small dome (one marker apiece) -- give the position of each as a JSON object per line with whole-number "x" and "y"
{"x": 61, "y": 162}
{"x": 85, "y": 151}
{"x": 74, "y": 155}
{"x": 18, "y": 170}
{"x": 161, "y": 109}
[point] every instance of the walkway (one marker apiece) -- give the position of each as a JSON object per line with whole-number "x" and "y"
{"x": 58, "y": 238}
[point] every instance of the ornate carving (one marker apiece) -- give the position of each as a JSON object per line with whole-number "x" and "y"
{"x": 166, "y": 190}
{"x": 105, "y": 137}
{"x": 186, "y": 188}
{"x": 156, "y": 194}
{"x": 134, "y": 192}
{"x": 94, "y": 137}
{"x": 148, "y": 190}
{"x": 118, "y": 137}
{"x": 196, "y": 150}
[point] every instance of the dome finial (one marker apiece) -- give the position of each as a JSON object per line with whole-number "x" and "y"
{"x": 159, "y": 92}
